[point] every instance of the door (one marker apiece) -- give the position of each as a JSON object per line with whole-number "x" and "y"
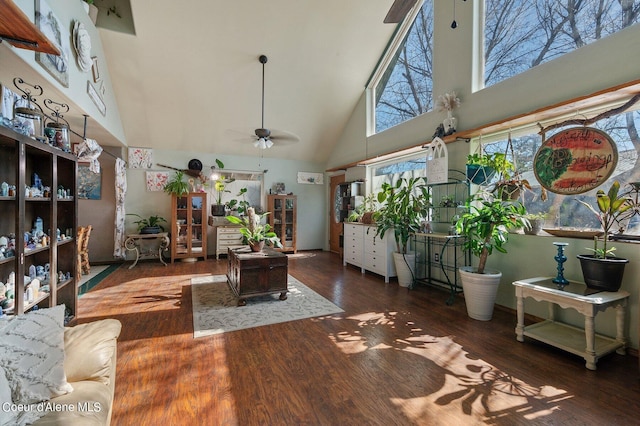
{"x": 335, "y": 226}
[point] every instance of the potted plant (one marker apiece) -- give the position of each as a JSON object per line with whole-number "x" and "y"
{"x": 481, "y": 168}
{"x": 149, "y": 225}
{"x": 177, "y": 185}
{"x": 536, "y": 220}
{"x": 602, "y": 270}
{"x": 407, "y": 205}
{"x": 254, "y": 232}
{"x": 219, "y": 185}
{"x": 485, "y": 225}
{"x": 365, "y": 211}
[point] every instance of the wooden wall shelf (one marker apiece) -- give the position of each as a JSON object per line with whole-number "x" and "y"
{"x": 18, "y": 30}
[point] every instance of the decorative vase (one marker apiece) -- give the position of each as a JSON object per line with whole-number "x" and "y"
{"x": 602, "y": 274}
{"x": 536, "y": 227}
{"x": 405, "y": 268}
{"x": 480, "y": 291}
{"x": 256, "y": 246}
{"x": 449, "y": 124}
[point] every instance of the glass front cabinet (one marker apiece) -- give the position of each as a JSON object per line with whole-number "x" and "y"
{"x": 282, "y": 218}
{"x": 189, "y": 226}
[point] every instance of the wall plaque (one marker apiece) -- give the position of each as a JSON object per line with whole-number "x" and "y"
{"x": 575, "y": 160}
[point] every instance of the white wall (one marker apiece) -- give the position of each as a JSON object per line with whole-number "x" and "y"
{"x": 607, "y": 63}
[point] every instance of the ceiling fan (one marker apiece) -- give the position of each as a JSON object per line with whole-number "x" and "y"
{"x": 265, "y": 138}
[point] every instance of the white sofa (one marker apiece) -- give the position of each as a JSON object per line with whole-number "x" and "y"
{"x": 90, "y": 367}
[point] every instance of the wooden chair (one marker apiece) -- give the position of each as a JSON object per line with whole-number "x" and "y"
{"x": 83, "y": 253}
{"x": 80, "y": 236}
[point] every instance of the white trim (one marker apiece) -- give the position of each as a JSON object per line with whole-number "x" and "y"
{"x": 394, "y": 45}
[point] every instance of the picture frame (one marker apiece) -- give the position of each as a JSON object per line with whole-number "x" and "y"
{"x": 95, "y": 70}
{"x": 89, "y": 183}
{"x": 58, "y": 34}
{"x": 95, "y": 97}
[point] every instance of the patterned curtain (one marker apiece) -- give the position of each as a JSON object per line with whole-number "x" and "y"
{"x": 121, "y": 191}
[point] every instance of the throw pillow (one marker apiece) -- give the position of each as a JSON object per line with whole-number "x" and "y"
{"x": 32, "y": 355}
{"x": 7, "y": 416}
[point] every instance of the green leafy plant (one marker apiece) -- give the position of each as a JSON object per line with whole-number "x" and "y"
{"x": 220, "y": 183}
{"x": 240, "y": 205}
{"x": 610, "y": 206}
{"x": 253, "y": 230}
{"x": 148, "y": 222}
{"x": 369, "y": 205}
{"x": 497, "y": 161}
{"x": 177, "y": 185}
{"x": 486, "y": 222}
{"x": 407, "y": 205}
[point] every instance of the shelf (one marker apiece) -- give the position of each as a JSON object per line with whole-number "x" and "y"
{"x": 29, "y": 252}
{"x": 17, "y": 29}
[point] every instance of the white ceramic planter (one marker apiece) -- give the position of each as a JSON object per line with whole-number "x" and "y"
{"x": 479, "y": 291}
{"x": 405, "y": 268}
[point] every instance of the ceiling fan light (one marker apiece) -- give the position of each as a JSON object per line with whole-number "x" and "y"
{"x": 269, "y": 143}
{"x": 257, "y": 143}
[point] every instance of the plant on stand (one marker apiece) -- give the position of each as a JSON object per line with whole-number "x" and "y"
{"x": 602, "y": 270}
{"x": 254, "y": 232}
{"x": 407, "y": 206}
{"x": 485, "y": 225}
{"x": 177, "y": 185}
{"x": 149, "y": 225}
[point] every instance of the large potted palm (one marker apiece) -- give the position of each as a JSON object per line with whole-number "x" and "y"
{"x": 406, "y": 206}
{"x": 485, "y": 225}
{"x": 602, "y": 270}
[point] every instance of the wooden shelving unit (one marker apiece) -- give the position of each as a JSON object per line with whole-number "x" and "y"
{"x": 189, "y": 226}
{"x": 282, "y": 217}
{"x": 21, "y": 158}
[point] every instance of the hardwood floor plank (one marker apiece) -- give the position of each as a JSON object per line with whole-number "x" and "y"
{"x": 394, "y": 357}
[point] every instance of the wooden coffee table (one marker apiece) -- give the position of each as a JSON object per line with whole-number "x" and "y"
{"x": 252, "y": 274}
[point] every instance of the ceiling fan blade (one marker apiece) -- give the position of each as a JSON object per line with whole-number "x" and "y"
{"x": 281, "y": 137}
{"x": 398, "y": 11}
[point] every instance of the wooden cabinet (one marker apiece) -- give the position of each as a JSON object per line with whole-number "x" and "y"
{"x": 228, "y": 237}
{"x": 362, "y": 248}
{"x": 189, "y": 226}
{"x": 347, "y": 198}
{"x": 257, "y": 273}
{"x": 37, "y": 225}
{"x": 282, "y": 218}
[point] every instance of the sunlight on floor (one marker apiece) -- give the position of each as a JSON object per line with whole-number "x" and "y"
{"x": 469, "y": 384}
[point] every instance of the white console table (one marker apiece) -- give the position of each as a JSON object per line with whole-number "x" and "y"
{"x": 585, "y": 343}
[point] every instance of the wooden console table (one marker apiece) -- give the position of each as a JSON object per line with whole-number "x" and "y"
{"x": 140, "y": 244}
{"x": 257, "y": 273}
{"x": 585, "y": 343}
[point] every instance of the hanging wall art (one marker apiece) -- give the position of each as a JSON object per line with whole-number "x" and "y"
{"x": 575, "y": 160}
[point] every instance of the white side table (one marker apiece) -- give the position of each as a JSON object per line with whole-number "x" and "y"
{"x": 585, "y": 343}
{"x": 140, "y": 244}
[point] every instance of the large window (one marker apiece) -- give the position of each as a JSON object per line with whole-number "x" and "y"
{"x": 392, "y": 171}
{"x": 563, "y": 210}
{"x": 405, "y": 90}
{"x": 522, "y": 34}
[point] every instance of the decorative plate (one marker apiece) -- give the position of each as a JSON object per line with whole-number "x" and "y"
{"x": 82, "y": 45}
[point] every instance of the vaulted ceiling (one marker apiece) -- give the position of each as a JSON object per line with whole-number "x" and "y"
{"x": 190, "y": 78}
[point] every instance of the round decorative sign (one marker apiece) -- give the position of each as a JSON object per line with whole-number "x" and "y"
{"x": 575, "y": 160}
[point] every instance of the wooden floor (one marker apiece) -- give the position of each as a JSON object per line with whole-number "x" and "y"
{"x": 394, "y": 357}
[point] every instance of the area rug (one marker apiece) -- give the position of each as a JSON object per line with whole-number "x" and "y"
{"x": 215, "y": 307}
